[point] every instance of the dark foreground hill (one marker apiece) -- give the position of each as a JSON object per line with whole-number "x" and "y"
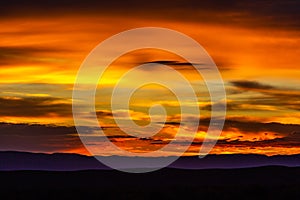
{"x": 72, "y": 176}
{"x": 71, "y": 162}
{"x": 271, "y": 182}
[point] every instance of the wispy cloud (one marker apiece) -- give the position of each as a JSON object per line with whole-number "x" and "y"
{"x": 34, "y": 106}
{"x": 24, "y": 55}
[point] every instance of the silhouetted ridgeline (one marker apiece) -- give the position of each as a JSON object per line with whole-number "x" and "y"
{"x": 71, "y": 162}
{"x": 52, "y": 176}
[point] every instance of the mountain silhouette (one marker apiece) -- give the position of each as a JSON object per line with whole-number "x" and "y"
{"x": 13, "y": 160}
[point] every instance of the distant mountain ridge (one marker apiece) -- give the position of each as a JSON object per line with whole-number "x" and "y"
{"x": 13, "y": 160}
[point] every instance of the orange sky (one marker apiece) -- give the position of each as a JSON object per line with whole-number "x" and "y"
{"x": 257, "y": 55}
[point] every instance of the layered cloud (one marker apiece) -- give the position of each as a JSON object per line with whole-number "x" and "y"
{"x": 275, "y": 14}
{"x": 271, "y": 97}
{"x": 34, "y": 106}
{"x": 39, "y": 138}
{"x": 42, "y": 138}
{"x": 28, "y": 55}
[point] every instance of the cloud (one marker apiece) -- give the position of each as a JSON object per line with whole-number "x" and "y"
{"x": 251, "y": 85}
{"x": 242, "y": 126}
{"x": 34, "y": 106}
{"x": 251, "y": 137}
{"x": 289, "y": 141}
{"x": 33, "y": 89}
{"x": 277, "y": 14}
{"x": 274, "y": 97}
{"x": 12, "y": 55}
{"x": 178, "y": 65}
{"x": 104, "y": 114}
{"x": 34, "y": 137}
{"x": 252, "y": 126}
{"x": 249, "y": 126}
{"x": 122, "y": 114}
{"x": 45, "y": 138}
{"x": 49, "y": 138}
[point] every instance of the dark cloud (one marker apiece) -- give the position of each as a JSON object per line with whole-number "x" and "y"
{"x": 277, "y": 13}
{"x": 276, "y": 102}
{"x": 252, "y": 126}
{"x": 173, "y": 123}
{"x": 219, "y": 106}
{"x": 32, "y": 130}
{"x": 120, "y": 136}
{"x": 278, "y": 97}
{"x": 246, "y": 126}
{"x": 102, "y": 113}
{"x": 251, "y": 85}
{"x": 46, "y": 138}
{"x": 34, "y": 106}
{"x": 289, "y": 141}
{"x": 26, "y": 54}
{"x": 24, "y": 50}
{"x": 26, "y": 137}
{"x": 173, "y": 63}
{"x": 177, "y": 64}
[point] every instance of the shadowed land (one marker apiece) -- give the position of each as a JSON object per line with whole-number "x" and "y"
{"x": 248, "y": 183}
{"x": 69, "y": 176}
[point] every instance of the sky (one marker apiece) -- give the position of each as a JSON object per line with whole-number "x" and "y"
{"x": 256, "y": 46}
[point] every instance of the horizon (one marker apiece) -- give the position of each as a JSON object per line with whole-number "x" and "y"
{"x": 183, "y": 156}
{"x": 20, "y": 161}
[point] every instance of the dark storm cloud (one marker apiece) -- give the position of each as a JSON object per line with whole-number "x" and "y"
{"x": 33, "y": 107}
{"x": 277, "y": 13}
